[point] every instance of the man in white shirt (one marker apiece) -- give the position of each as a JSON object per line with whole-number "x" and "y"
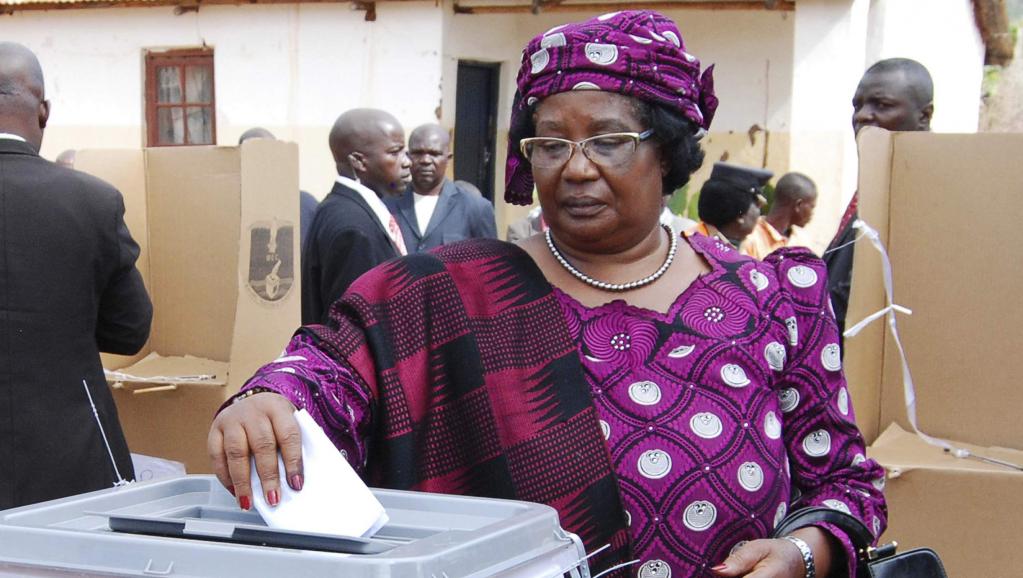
{"x": 433, "y": 211}
{"x": 353, "y": 231}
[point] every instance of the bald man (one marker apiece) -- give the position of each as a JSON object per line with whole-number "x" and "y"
{"x": 353, "y": 231}
{"x": 795, "y": 198}
{"x": 895, "y": 94}
{"x": 433, "y": 211}
{"x": 69, "y": 289}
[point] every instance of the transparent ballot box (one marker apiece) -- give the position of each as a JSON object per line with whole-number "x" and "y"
{"x": 191, "y": 527}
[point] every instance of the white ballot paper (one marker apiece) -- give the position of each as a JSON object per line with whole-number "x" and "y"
{"x": 333, "y": 500}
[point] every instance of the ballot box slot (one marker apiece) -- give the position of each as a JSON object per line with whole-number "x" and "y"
{"x": 227, "y": 532}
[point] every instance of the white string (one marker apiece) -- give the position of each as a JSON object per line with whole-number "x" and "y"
{"x": 843, "y": 245}
{"x": 95, "y": 413}
{"x": 616, "y": 567}
{"x": 907, "y": 378}
{"x": 121, "y": 376}
{"x": 579, "y": 562}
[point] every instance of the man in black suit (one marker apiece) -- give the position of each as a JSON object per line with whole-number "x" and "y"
{"x": 433, "y": 211}
{"x": 895, "y": 94}
{"x": 68, "y": 290}
{"x": 353, "y": 231}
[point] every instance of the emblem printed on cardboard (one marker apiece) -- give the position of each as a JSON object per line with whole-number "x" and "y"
{"x": 271, "y": 260}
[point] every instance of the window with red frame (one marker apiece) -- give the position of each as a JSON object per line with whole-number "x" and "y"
{"x": 180, "y": 104}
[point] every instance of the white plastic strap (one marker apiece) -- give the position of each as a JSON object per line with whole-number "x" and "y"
{"x": 95, "y": 413}
{"x": 907, "y": 378}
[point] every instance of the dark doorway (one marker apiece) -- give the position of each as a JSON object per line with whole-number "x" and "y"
{"x": 476, "y": 124}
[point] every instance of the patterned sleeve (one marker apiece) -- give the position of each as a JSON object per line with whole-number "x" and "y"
{"x": 826, "y": 450}
{"x": 313, "y": 380}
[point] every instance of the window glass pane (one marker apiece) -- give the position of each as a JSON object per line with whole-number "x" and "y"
{"x": 198, "y": 84}
{"x": 168, "y": 84}
{"x": 200, "y": 125}
{"x": 171, "y": 126}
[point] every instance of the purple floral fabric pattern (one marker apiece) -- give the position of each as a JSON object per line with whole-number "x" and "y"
{"x": 638, "y": 53}
{"x": 721, "y": 416}
{"x": 727, "y": 412}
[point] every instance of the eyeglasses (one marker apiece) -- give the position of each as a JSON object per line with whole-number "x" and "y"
{"x": 606, "y": 150}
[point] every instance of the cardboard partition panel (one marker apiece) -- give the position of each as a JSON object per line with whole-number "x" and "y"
{"x": 963, "y": 508}
{"x": 219, "y": 231}
{"x": 949, "y": 210}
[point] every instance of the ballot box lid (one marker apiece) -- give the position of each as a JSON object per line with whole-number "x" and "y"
{"x": 191, "y": 526}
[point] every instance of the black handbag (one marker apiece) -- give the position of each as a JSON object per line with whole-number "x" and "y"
{"x": 879, "y": 562}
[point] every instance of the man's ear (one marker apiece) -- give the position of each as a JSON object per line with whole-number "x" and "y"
{"x": 44, "y": 113}
{"x": 665, "y": 165}
{"x": 357, "y": 161}
{"x": 925, "y": 116}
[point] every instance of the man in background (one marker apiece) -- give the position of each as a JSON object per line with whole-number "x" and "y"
{"x": 795, "y": 198}
{"x": 306, "y": 202}
{"x": 896, "y": 94}
{"x": 433, "y": 211}
{"x": 353, "y": 231}
{"x": 69, "y": 289}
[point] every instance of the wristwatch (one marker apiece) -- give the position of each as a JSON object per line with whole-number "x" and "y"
{"x": 807, "y": 553}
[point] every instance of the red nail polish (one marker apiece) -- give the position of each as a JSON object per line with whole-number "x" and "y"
{"x": 273, "y": 497}
{"x": 231, "y": 489}
{"x": 245, "y": 502}
{"x": 720, "y": 568}
{"x": 296, "y": 482}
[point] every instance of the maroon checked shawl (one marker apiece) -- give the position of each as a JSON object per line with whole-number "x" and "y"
{"x": 478, "y": 388}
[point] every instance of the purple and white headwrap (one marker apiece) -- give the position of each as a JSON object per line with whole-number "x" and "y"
{"x": 636, "y": 53}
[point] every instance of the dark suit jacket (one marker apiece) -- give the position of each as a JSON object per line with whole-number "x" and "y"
{"x": 345, "y": 240}
{"x": 839, "y": 259}
{"x": 459, "y": 215}
{"x": 68, "y": 290}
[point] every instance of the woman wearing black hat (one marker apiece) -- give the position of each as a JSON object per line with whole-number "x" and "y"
{"x": 730, "y": 202}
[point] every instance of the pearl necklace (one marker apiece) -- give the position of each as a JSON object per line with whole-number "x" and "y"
{"x": 615, "y": 286}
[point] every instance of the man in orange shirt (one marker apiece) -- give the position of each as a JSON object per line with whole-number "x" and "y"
{"x": 795, "y": 198}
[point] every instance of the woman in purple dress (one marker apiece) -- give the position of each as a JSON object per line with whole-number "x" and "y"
{"x": 668, "y": 396}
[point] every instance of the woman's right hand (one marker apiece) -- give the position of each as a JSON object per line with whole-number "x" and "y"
{"x": 257, "y": 426}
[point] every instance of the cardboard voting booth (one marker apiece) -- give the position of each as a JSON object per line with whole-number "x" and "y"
{"x": 218, "y": 228}
{"x": 948, "y": 208}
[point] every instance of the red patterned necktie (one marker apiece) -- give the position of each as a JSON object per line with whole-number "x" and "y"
{"x": 392, "y": 228}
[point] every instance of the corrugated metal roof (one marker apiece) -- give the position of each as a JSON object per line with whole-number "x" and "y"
{"x": 9, "y": 6}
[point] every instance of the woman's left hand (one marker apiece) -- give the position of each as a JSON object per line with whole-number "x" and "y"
{"x": 764, "y": 559}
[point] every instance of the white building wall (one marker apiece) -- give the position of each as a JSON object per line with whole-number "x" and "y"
{"x": 294, "y": 68}
{"x": 830, "y": 42}
{"x": 946, "y": 42}
{"x": 289, "y": 68}
{"x": 835, "y": 41}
